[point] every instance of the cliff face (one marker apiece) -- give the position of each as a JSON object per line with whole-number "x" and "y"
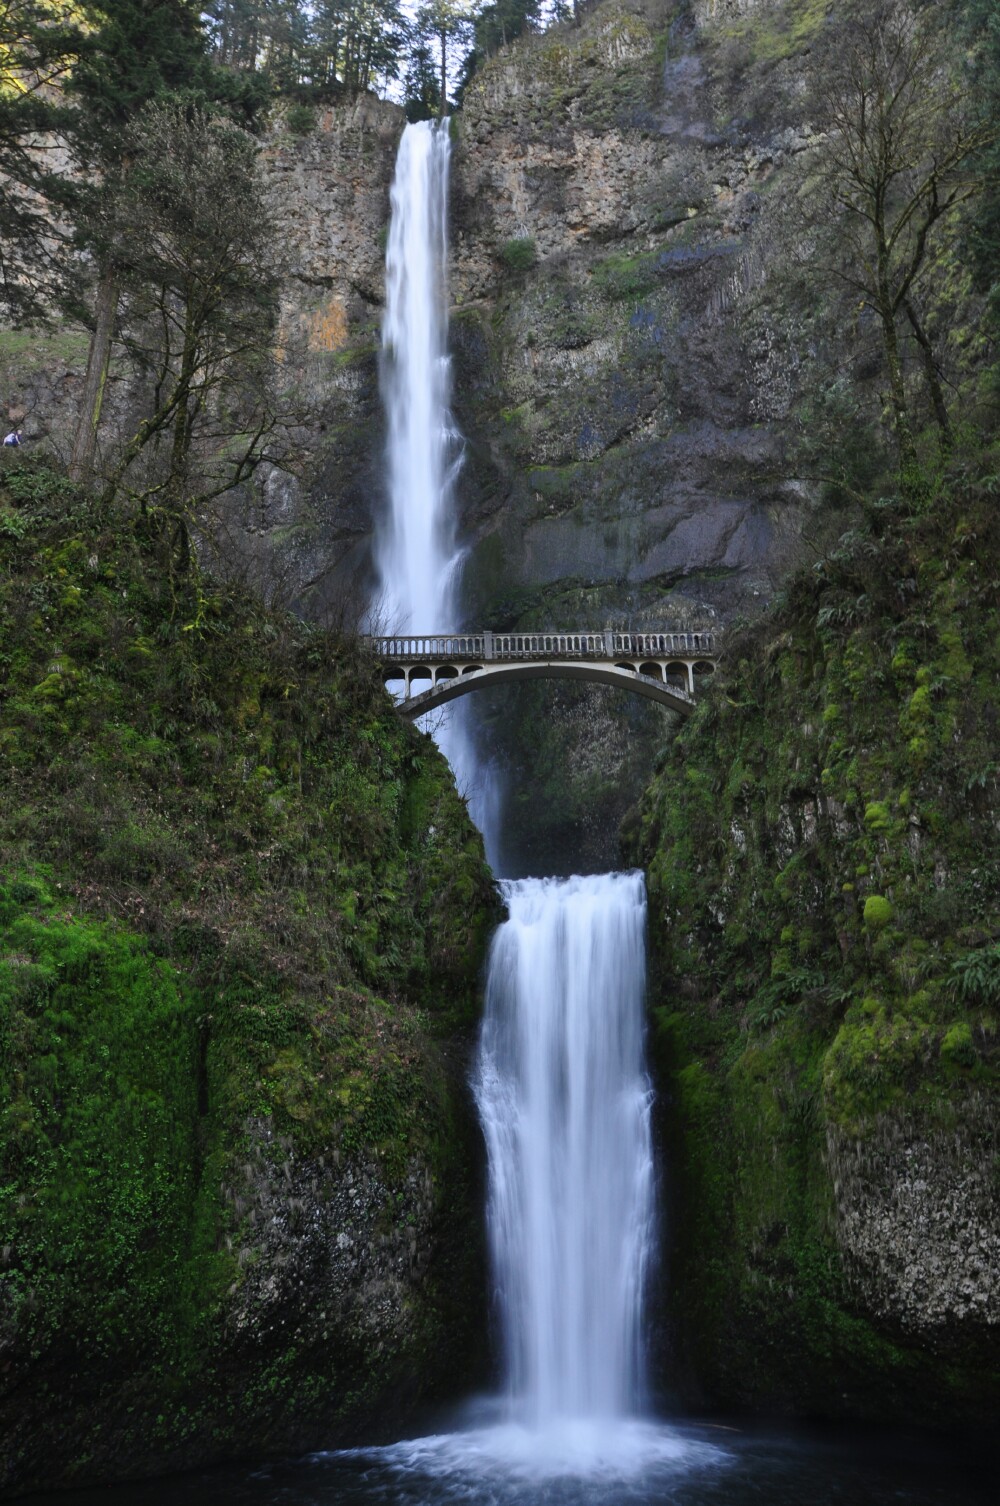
{"x": 823, "y": 861}
{"x": 633, "y": 357}
{"x": 242, "y": 919}
{"x": 651, "y": 356}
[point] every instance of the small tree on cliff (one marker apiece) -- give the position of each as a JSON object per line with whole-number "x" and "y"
{"x": 895, "y": 168}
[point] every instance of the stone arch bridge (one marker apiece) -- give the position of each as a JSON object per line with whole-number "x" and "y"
{"x": 434, "y": 669}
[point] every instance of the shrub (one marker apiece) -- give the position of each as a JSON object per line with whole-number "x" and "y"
{"x": 520, "y": 254}
{"x": 878, "y": 912}
{"x": 301, "y": 119}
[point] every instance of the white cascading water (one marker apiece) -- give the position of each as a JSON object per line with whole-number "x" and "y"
{"x": 565, "y": 1106}
{"x": 416, "y": 555}
{"x": 415, "y": 548}
{"x": 562, "y": 1091}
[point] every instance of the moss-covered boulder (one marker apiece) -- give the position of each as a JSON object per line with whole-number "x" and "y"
{"x": 824, "y": 879}
{"x": 242, "y": 916}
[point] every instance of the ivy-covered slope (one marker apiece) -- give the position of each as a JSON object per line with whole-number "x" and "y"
{"x": 823, "y": 853}
{"x": 242, "y": 915}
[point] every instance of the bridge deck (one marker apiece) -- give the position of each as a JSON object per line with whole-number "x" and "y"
{"x": 498, "y": 647}
{"x": 659, "y": 665}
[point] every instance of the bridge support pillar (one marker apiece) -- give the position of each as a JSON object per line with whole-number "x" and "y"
{"x": 487, "y": 645}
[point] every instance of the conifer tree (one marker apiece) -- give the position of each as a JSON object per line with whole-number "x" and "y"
{"x": 445, "y": 22}
{"x": 137, "y": 51}
{"x": 39, "y": 42}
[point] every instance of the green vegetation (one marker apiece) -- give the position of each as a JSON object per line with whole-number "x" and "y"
{"x": 770, "y": 33}
{"x": 824, "y": 876}
{"x": 243, "y": 910}
{"x": 301, "y": 119}
{"x": 626, "y": 276}
{"x": 519, "y": 254}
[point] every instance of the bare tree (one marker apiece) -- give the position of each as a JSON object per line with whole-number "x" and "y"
{"x": 197, "y": 251}
{"x": 895, "y": 168}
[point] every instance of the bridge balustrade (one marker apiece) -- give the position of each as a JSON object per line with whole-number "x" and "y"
{"x": 491, "y": 647}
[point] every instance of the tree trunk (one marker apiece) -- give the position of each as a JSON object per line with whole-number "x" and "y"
{"x": 443, "y": 102}
{"x": 81, "y": 466}
{"x": 947, "y": 436}
{"x": 897, "y": 389}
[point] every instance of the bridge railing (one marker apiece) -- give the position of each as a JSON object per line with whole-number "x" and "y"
{"x": 489, "y": 646}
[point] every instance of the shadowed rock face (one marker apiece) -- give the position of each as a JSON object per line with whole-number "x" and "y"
{"x": 630, "y": 400}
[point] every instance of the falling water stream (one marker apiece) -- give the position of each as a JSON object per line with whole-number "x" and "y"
{"x": 565, "y": 1107}
{"x": 417, "y": 559}
{"x": 415, "y": 549}
{"x": 560, "y": 1081}
{"x": 563, "y": 1097}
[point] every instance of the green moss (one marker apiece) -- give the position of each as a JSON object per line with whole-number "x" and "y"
{"x": 626, "y": 276}
{"x": 771, "y": 33}
{"x": 42, "y": 347}
{"x": 802, "y": 1014}
{"x": 243, "y": 916}
{"x": 301, "y": 119}
{"x": 519, "y": 255}
{"x": 878, "y": 912}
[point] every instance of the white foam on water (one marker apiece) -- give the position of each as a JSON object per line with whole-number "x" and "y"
{"x": 509, "y": 1457}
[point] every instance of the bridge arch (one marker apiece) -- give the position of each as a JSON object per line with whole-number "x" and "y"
{"x": 624, "y": 677}
{"x": 662, "y": 666}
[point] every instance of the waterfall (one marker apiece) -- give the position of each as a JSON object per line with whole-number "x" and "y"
{"x": 415, "y": 547}
{"x": 565, "y": 1105}
{"x": 416, "y": 555}
{"x": 560, "y": 1081}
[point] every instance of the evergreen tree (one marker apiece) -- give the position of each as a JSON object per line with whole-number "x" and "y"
{"x": 444, "y": 23}
{"x": 39, "y": 42}
{"x": 502, "y": 22}
{"x": 495, "y": 25}
{"x": 422, "y": 84}
{"x": 318, "y": 49}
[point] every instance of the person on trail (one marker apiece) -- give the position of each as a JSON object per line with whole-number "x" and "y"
{"x": 13, "y": 438}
